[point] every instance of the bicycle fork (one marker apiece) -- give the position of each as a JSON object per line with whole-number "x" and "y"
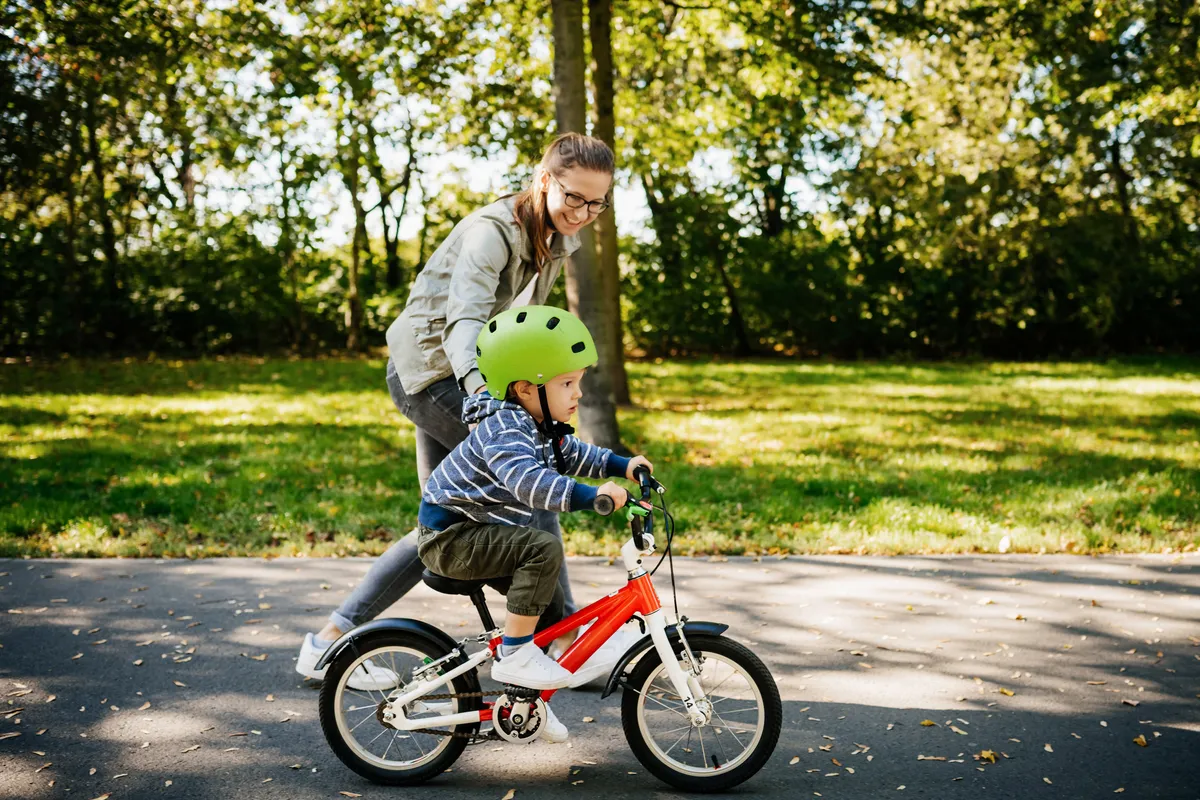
{"x": 686, "y": 683}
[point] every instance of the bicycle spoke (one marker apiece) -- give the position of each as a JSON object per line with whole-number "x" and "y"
{"x": 682, "y": 736}
{"x": 360, "y": 722}
{"x": 740, "y": 710}
{"x": 719, "y": 685}
{"x": 732, "y": 733}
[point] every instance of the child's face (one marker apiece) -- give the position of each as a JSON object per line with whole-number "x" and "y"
{"x": 562, "y": 394}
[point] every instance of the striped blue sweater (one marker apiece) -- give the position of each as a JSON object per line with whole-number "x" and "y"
{"x": 504, "y": 469}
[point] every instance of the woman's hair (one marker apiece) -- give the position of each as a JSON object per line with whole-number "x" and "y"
{"x": 568, "y": 151}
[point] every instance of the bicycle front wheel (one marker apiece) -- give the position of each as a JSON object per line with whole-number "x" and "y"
{"x": 746, "y": 718}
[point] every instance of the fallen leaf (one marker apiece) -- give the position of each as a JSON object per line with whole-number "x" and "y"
{"x": 1096, "y": 683}
{"x": 931, "y": 758}
{"x": 190, "y": 749}
{"x": 958, "y": 730}
{"x": 589, "y": 719}
{"x": 1134, "y": 703}
{"x": 1140, "y": 740}
{"x": 1047, "y": 780}
{"x": 137, "y": 663}
{"x": 986, "y": 755}
{"x": 102, "y": 797}
{"x": 1006, "y": 692}
{"x": 270, "y": 698}
{"x": 510, "y": 795}
{"x": 928, "y": 723}
{"x": 144, "y": 706}
{"x": 349, "y": 794}
{"x": 1048, "y": 748}
{"x": 180, "y": 683}
{"x": 795, "y": 760}
{"x": 9, "y": 735}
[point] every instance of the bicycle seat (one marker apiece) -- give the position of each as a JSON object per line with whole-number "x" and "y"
{"x": 440, "y": 583}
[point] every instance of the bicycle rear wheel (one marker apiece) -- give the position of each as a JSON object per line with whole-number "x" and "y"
{"x": 351, "y": 718}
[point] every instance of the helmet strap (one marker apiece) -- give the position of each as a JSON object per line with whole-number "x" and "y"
{"x": 553, "y": 430}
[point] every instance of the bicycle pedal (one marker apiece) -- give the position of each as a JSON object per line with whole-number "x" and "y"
{"x": 521, "y": 693}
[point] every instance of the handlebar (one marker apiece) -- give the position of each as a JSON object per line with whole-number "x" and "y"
{"x": 642, "y": 524}
{"x": 603, "y": 505}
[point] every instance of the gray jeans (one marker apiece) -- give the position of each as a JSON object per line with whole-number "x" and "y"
{"x": 437, "y": 413}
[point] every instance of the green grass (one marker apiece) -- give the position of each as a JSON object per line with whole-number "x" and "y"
{"x": 272, "y": 456}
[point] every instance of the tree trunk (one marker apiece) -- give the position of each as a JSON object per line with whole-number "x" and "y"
{"x": 350, "y": 158}
{"x": 287, "y": 249}
{"x": 1122, "y": 180}
{"x": 600, "y": 32}
{"x": 741, "y": 338}
{"x": 108, "y": 234}
{"x": 597, "y": 409}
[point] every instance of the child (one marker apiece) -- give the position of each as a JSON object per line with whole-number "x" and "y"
{"x": 477, "y": 506}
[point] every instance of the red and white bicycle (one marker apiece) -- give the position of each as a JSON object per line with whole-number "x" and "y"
{"x": 700, "y": 711}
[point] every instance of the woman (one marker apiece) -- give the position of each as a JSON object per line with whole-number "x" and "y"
{"x": 509, "y": 252}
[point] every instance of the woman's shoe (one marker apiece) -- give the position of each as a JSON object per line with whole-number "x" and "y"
{"x": 368, "y": 677}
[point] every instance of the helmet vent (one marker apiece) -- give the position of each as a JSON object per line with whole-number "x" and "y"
{"x": 552, "y": 323}
{"x": 492, "y": 326}
{"x": 578, "y": 347}
{"x": 521, "y": 317}
{"x": 478, "y": 352}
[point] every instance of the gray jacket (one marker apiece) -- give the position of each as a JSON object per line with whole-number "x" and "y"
{"x": 477, "y": 272}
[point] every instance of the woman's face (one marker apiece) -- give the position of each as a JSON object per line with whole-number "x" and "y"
{"x": 581, "y": 184}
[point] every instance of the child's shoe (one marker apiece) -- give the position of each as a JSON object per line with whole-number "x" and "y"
{"x": 368, "y": 677}
{"x": 553, "y": 731}
{"x": 529, "y": 667}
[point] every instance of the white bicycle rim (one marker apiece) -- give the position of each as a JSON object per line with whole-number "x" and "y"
{"x": 690, "y": 750}
{"x": 355, "y": 714}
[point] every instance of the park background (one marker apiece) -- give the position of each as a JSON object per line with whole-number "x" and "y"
{"x": 889, "y": 276}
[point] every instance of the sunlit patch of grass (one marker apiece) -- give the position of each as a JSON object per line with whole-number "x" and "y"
{"x": 283, "y": 457}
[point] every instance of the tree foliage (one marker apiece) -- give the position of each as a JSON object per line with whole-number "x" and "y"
{"x": 1009, "y": 177}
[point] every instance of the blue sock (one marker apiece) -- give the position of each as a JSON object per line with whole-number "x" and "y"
{"x": 510, "y": 643}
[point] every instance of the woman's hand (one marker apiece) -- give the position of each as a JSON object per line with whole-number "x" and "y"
{"x": 634, "y": 463}
{"x": 617, "y": 493}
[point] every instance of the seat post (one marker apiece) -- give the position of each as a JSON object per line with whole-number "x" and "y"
{"x": 485, "y": 616}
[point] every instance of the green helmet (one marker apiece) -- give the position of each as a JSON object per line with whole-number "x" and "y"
{"x": 532, "y": 343}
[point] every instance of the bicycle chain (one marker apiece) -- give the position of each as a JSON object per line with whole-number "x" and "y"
{"x": 474, "y": 738}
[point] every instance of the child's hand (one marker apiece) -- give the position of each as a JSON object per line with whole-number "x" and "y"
{"x": 617, "y": 493}
{"x": 634, "y": 463}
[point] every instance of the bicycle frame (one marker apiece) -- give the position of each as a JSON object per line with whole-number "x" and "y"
{"x": 638, "y": 596}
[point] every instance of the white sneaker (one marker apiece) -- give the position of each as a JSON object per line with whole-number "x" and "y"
{"x": 530, "y": 668}
{"x": 553, "y": 731}
{"x": 602, "y": 662}
{"x": 368, "y": 677}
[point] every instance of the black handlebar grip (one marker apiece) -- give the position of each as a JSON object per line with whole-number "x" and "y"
{"x": 603, "y": 505}
{"x": 642, "y": 475}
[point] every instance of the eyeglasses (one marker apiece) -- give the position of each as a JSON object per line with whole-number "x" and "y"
{"x": 577, "y": 201}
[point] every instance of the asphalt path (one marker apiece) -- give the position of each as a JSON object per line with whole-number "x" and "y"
{"x": 129, "y": 679}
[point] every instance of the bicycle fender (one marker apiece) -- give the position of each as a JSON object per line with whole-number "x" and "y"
{"x": 412, "y": 626}
{"x": 645, "y": 643}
